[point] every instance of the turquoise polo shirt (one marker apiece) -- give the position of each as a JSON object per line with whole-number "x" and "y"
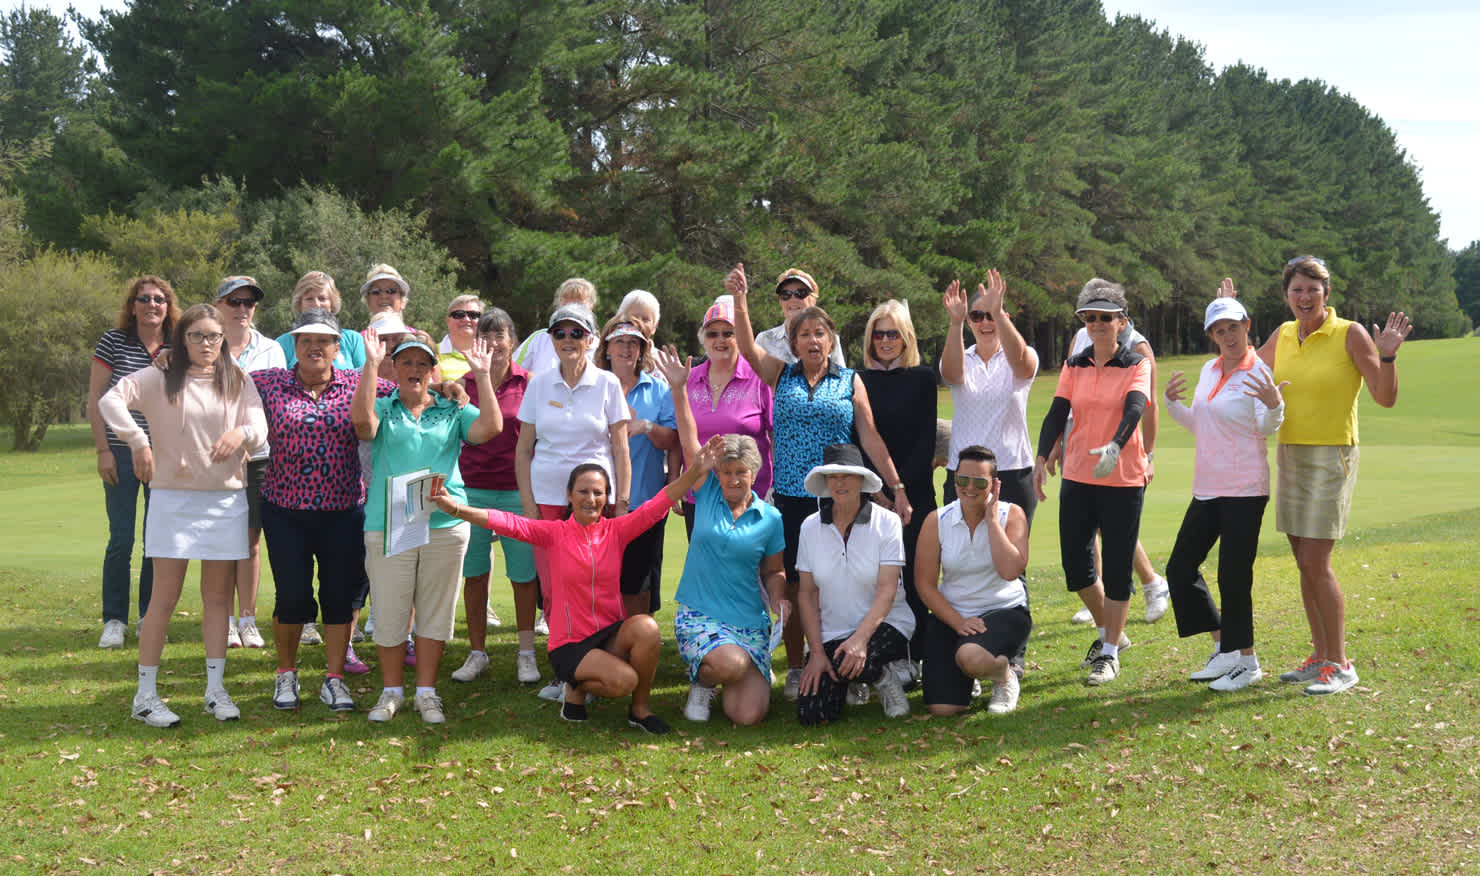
{"x": 719, "y": 574}
{"x": 405, "y": 444}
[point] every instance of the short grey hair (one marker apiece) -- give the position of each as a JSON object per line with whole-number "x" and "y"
{"x": 743, "y": 448}
{"x": 640, "y": 296}
{"x": 1102, "y": 290}
{"x": 463, "y": 301}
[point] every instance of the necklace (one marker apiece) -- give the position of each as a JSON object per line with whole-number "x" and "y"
{"x": 313, "y": 389}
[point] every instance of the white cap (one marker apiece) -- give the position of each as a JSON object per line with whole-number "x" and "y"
{"x": 1224, "y": 308}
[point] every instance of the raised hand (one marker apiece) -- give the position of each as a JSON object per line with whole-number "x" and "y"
{"x": 1176, "y": 384}
{"x": 479, "y": 359}
{"x": 1226, "y": 290}
{"x": 374, "y": 347}
{"x": 735, "y": 282}
{"x": 993, "y": 292}
{"x": 709, "y": 455}
{"x": 1391, "y": 336}
{"x": 674, "y": 367}
{"x": 1263, "y": 388}
{"x": 955, "y": 302}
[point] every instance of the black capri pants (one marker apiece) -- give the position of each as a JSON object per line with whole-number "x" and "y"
{"x": 295, "y": 540}
{"x": 1235, "y": 521}
{"x": 1113, "y": 512}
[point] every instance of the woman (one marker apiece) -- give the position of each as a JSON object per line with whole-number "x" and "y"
{"x": 969, "y": 571}
{"x": 145, "y": 324}
{"x": 488, "y": 477}
{"x": 203, "y": 413}
{"x": 313, "y": 504}
{"x": 722, "y": 625}
{"x": 851, "y": 603}
{"x": 625, "y": 350}
{"x": 572, "y": 413}
{"x": 409, "y": 431}
{"x": 316, "y": 289}
{"x": 903, "y": 394}
{"x": 640, "y": 307}
{"x": 385, "y": 290}
{"x": 1325, "y": 359}
{"x": 817, "y": 403}
{"x": 1235, "y": 408}
{"x": 252, "y": 351}
{"x": 537, "y": 353}
{"x": 595, "y": 648}
{"x": 462, "y": 329}
{"x": 1105, "y": 388}
{"x": 727, "y": 397}
{"x": 796, "y": 291}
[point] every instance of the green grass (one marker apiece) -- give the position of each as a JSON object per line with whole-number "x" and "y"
{"x": 1149, "y": 775}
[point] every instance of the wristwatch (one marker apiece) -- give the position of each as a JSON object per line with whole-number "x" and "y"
{"x": 899, "y": 487}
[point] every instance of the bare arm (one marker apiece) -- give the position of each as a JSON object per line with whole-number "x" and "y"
{"x": 677, "y": 371}
{"x": 1022, "y": 358}
{"x": 362, "y": 406}
{"x": 621, "y": 464}
{"x": 1368, "y": 351}
{"x": 953, "y": 357}
{"x": 97, "y": 384}
{"x": 927, "y": 580}
{"x": 767, "y": 366}
{"x": 523, "y": 458}
{"x": 1009, "y": 543}
{"x": 873, "y": 445}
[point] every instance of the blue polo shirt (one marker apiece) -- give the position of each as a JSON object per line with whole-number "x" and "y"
{"x": 404, "y": 443}
{"x": 719, "y": 574}
{"x": 650, "y": 399}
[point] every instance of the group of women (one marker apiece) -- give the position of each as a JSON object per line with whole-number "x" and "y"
{"x": 573, "y": 460}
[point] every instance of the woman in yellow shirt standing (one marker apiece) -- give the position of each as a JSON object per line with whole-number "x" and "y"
{"x": 1325, "y": 360}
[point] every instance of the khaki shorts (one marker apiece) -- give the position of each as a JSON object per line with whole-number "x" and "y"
{"x": 1315, "y": 487}
{"x": 428, "y": 578}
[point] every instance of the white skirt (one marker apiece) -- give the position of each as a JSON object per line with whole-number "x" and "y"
{"x": 197, "y": 525}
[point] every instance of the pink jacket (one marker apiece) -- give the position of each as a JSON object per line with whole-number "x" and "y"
{"x": 585, "y": 563}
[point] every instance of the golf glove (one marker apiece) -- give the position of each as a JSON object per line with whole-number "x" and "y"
{"x": 1109, "y": 455}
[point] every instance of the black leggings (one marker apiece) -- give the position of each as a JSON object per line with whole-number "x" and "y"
{"x": 886, "y": 645}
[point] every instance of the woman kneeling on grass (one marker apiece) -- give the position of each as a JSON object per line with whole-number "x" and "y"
{"x": 594, "y": 647}
{"x": 969, "y": 573}
{"x": 204, "y": 416}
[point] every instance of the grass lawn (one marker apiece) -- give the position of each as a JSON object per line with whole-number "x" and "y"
{"x": 1151, "y": 774}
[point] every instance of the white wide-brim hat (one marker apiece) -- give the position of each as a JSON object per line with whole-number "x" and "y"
{"x": 840, "y": 459}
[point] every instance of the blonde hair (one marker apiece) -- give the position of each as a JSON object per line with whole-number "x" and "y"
{"x": 390, "y": 272}
{"x": 576, "y": 289}
{"x": 462, "y": 300}
{"x": 899, "y": 311}
{"x": 312, "y": 282}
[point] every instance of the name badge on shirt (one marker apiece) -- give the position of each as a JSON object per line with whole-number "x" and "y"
{"x": 555, "y": 404}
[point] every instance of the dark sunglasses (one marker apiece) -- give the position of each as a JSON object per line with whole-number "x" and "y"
{"x": 1305, "y": 258}
{"x": 384, "y": 290}
{"x": 979, "y": 316}
{"x": 793, "y": 292}
{"x": 561, "y": 334}
{"x": 979, "y": 483}
{"x": 242, "y": 302}
{"x": 465, "y": 314}
{"x": 720, "y": 333}
{"x": 152, "y": 299}
{"x": 1098, "y": 317}
{"x": 886, "y": 334}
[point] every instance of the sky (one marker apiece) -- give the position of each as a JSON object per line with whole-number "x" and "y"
{"x": 1415, "y": 65}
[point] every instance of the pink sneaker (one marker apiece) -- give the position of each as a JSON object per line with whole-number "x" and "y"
{"x": 410, "y": 653}
{"x": 353, "y": 664}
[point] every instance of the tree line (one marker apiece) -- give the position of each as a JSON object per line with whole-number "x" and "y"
{"x": 887, "y": 146}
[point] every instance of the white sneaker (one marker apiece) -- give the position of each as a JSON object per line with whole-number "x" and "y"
{"x": 430, "y": 707}
{"x": 1158, "y": 597}
{"x": 1238, "y": 678}
{"x": 251, "y": 636}
{"x": 858, "y": 692}
{"x": 541, "y": 626}
{"x": 526, "y": 669}
{"x": 219, "y": 704}
{"x": 370, "y": 620}
{"x": 1217, "y": 666}
{"x": 976, "y": 687}
{"x": 1333, "y": 679}
{"x": 285, "y": 691}
{"x": 793, "y": 687}
{"x": 492, "y": 617}
{"x": 697, "y": 708}
{"x": 1103, "y": 670}
{"x": 233, "y": 637}
{"x": 356, "y": 635}
{"x": 554, "y": 691}
{"x": 907, "y": 671}
{"x": 1004, "y": 695}
{"x": 1082, "y": 616}
{"x": 152, "y": 711}
{"x": 474, "y": 666}
{"x": 310, "y": 635}
{"x": 113, "y": 632}
{"x": 891, "y": 696}
{"x": 335, "y": 694}
{"x": 386, "y": 707}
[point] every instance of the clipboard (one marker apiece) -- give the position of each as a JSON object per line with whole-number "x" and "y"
{"x": 408, "y": 510}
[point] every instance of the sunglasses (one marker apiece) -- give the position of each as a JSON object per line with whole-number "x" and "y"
{"x": 1098, "y": 317}
{"x": 384, "y": 290}
{"x": 719, "y": 333}
{"x": 465, "y": 314}
{"x": 886, "y": 334}
{"x": 561, "y": 334}
{"x": 796, "y": 292}
{"x": 244, "y": 303}
{"x": 210, "y": 339}
{"x": 1305, "y": 258}
{"x": 979, "y": 483}
{"x": 979, "y": 316}
{"x": 152, "y": 299}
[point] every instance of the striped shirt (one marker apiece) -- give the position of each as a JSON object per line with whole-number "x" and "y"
{"x": 122, "y": 353}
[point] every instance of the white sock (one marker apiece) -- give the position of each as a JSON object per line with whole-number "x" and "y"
{"x": 1249, "y": 660}
{"x": 426, "y": 690}
{"x": 147, "y": 677}
{"x": 1109, "y": 649}
{"x": 529, "y": 651}
{"x": 471, "y": 653}
{"x": 231, "y": 620}
{"x": 397, "y": 690}
{"x": 215, "y": 672}
{"x": 247, "y": 619}
{"x": 1101, "y": 632}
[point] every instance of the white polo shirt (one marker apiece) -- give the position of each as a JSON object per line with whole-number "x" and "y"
{"x": 774, "y": 342}
{"x": 571, "y": 426}
{"x": 847, "y": 573}
{"x": 991, "y": 409}
{"x": 968, "y": 580}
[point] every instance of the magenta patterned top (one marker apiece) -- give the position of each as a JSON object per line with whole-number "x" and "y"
{"x": 315, "y": 461}
{"x": 743, "y": 407}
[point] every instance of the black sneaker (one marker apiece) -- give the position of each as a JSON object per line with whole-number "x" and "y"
{"x": 1091, "y": 654}
{"x": 652, "y": 724}
{"x": 573, "y": 712}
